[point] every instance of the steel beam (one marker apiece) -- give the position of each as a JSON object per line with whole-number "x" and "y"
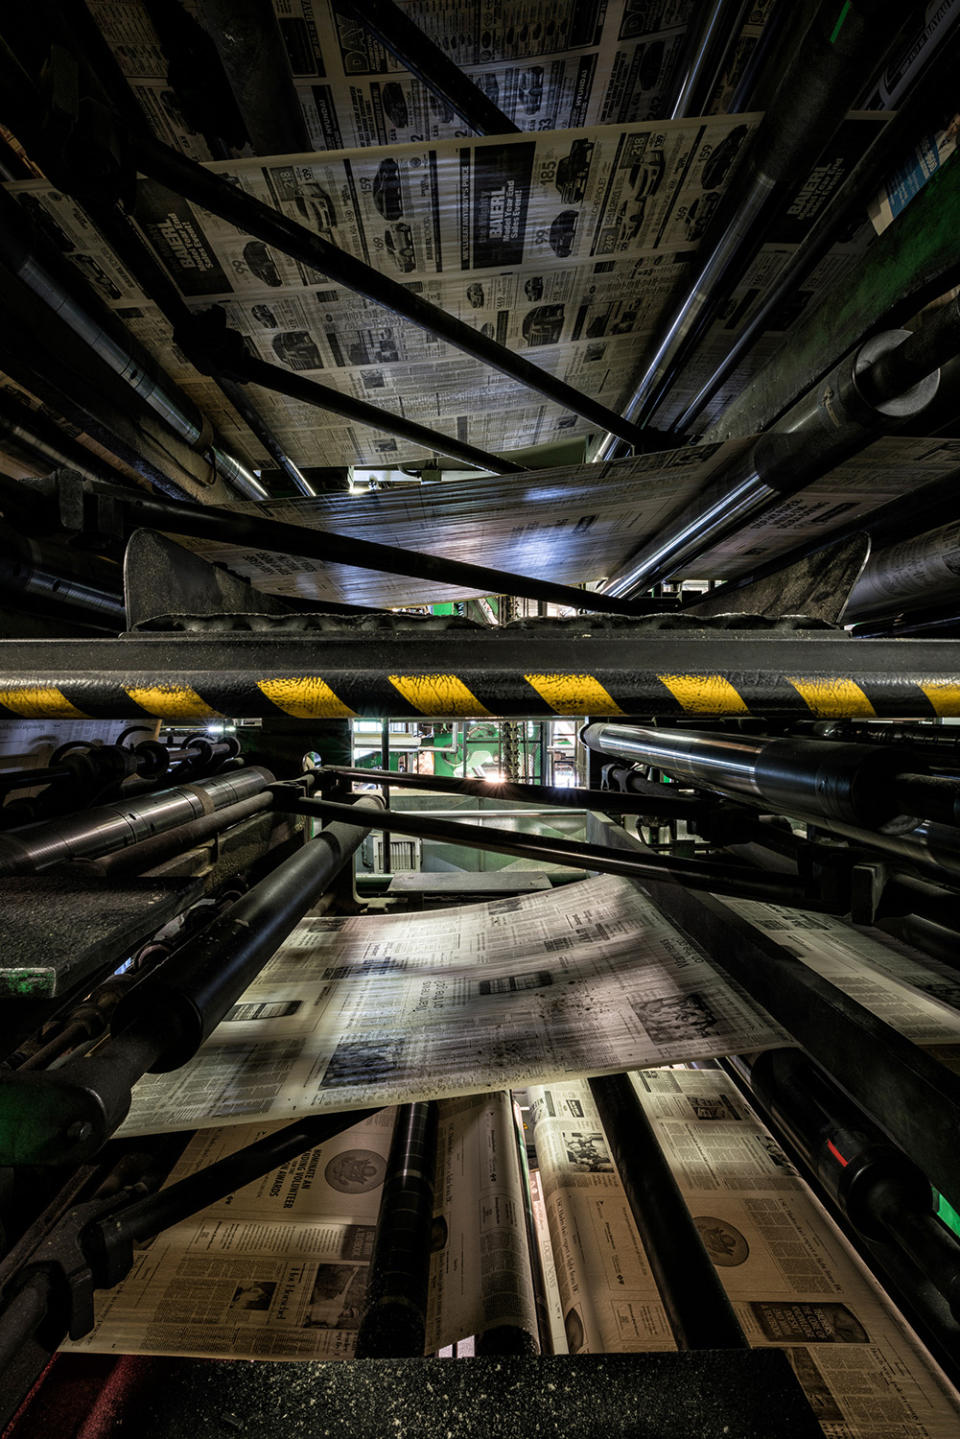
{"x": 431, "y": 65}
{"x": 216, "y": 194}
{"x": 340, "y": 669}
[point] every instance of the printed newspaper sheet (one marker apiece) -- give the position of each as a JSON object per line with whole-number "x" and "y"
{"x": 914, "y": 993}
{"x": 793, "y": 1279}
{"x": 358, "y": 1011}
{"x": 279, "y": 1269}
{"x": 571, "y": 524}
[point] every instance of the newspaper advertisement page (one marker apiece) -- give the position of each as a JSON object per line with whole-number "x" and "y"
{"x": 379, "y": 1010}
{"x": 480, "y": 1276}
{"x": 554, "y": 66}
{"x": 564, "y": 249}
{"x": 608, "y": 1295}
{"x": 792, "y": 1277}
{"x": 279, "y": 1269}
{"x": 914, "y": 994}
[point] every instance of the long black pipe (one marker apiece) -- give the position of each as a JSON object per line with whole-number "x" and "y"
{"x": 238, "y": 364}
{"x": 837, "y": 57}
{"x": 258, "y": 533}
{"x": 836, "y": 419}
{"x": 431, "y": 65}
{"x": 394, "y": 1322}
{"x": 67, "y": 1114}
{"x": 882, "y": 1192}
{"x": 202, "y": 187}
{"x": 698, "y": 874}
{"x": 653, "y": 799}
{"x": 699, "y": 1312}
{"x": 858, "y": 189}
{"x": 38, "y": 847}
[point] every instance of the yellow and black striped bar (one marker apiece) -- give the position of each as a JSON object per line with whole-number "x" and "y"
{"x": 403, "y": 674}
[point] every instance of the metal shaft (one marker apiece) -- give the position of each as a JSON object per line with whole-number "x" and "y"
{"x": 431, "y": 65}
{"x": 837, "y": 56}
{"x": 859, "y": 784}
{"x": 38, "y": 847}
{"x": 651, "y": 799}
{"x": 835, "y": 420}
{"x": 394, "y": 1321}
{"x": 751, "y": 884}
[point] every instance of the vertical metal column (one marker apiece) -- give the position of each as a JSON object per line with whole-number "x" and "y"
{"x": 394, "y": 1322}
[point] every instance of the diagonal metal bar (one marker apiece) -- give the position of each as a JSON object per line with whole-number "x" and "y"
{"x": 697, "y": 874}
{"x": 241, "y": 366}
{"x": 653, "y": 800}
{"x": 259, "y": 533}
{"x": 202, "y": 187}
{"x": 431, "y": 65}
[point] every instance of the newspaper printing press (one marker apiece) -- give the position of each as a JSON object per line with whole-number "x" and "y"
{"x": 479, "y": 663}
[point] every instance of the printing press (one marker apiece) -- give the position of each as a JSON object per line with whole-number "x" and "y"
{"x": 479, "y": 686}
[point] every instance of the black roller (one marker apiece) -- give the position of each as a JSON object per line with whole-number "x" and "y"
{"x": 394, "y": 1320}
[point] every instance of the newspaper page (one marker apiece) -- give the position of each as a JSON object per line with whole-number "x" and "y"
{"x": 379, "y": 1010}
{"x": 567, "y": 524}
{"x": 793, "y": 1279}
{"x": 573, "y": 523}
{"x": 279, "y": 1269}
{"x": 558, "y": 64}
{"x": 563, "y": 247}
{"x": 480, "y": 1277}
{"x": 608, "y": 1296}
{"x": 916, "y": 995}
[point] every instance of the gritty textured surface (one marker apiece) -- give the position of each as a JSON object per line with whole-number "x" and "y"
{"x": 64, "y": 927}
{"x": 699, "y": 1395}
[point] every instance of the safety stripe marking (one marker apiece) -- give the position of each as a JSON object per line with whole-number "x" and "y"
{"x": 40, "y": 702}
{"x": 438, "y": 694}
{"x": 944, "y": 695}
{"x": 171, "y": 701}
{"x": 833, "y": 698}
{"x": 306, "y": 697}
{"x": 705, "y": 694}
{"x": 574, "y": 694}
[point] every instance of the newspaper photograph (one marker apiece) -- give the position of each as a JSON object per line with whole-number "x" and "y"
{"x": 380, "y": 1010}
{"x": 279, "y": 1269}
